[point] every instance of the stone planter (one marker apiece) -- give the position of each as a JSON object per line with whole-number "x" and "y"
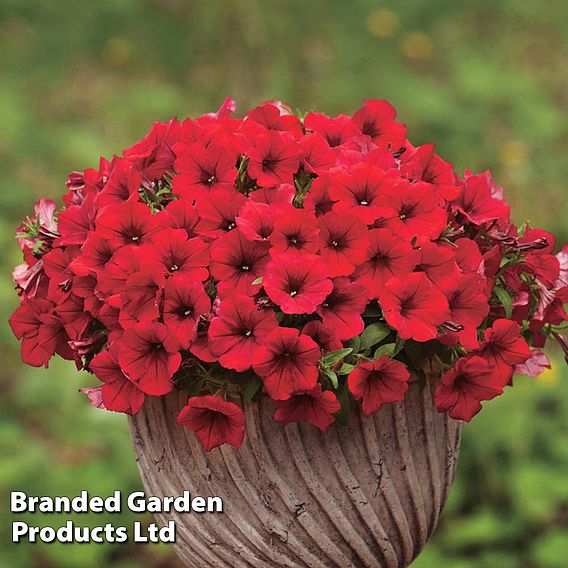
{"x": 367, "y": 494}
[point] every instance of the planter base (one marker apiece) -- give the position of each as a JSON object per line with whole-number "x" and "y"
{"x": 367, "y": 494}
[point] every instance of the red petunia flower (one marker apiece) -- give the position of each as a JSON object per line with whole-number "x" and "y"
{"x": 414, "y": 306}
{"x": 126, "y": 223}
{"x": 237, "y": 262}
{"x": 337, "y": 131}
{"x": 378, "y": 382}
{"x": 388, "y": 256}
{"x": 57, "y": 265}
{"x": 296, "y": 231}
{"x": 122, "y": 185}
{"x": 468, "y": 255}
{"x": 461, "y": 390}
{"x": 140, "y": 297}
{"x": 342, "y": 309}
{"x": 317, "y": 199}
{"x": 124, "y": 262}
{"x": 218, "y": 212}
{"x": 287, "y": 363}
{"x": 315, "y": 406}
{"x": 95, "y": 254}
{"x": 423, "y": 164}
{"x": 274, "y": 158}
{"x": 438, "y": 263}
{"x": 377, "y": 120}
{"x": 41, "y": 332}
{"x": 119, "y": 393}
{"x": 200, "y": 343}
{"x": 184, "y": 302}
{"x": 256, "y": 221}
{"x": 214, "y": 420}
{"x": 271, "y": 116}
{"x": 203, "y": 169}
{"x": 503, "y": 347}
{"x": 149, "y": 355}
{"x": 344, "y": 242}
{"x": 317, "y": 156}
{"x": 279, "y": 194}
{"x": 298, "y": 284}
{"x": 237, "y": 330}
{"x": 416, "y": 210}
{"x": 357, "y": 192}
{"x": 72, "y": 315}
{"x": 468, "y": 306}
{"x": 154, "y": 155}
{"x": 477, "y": 203}
{"x": 75, "y": 222}
{"x": 324, "y": 336}
{"x": 179, "y": 214}
{"x": 170, "y": 252}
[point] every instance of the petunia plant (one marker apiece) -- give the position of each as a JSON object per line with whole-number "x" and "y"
{"x": 322, "y": 262}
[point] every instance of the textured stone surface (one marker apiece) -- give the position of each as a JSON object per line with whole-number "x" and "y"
{"x": 367, "y": 494}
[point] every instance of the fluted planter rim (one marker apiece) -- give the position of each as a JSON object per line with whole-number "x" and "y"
{"x": 365, "y": 494}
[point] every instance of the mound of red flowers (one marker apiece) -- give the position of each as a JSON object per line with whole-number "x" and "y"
{"x": 322, "y": 261}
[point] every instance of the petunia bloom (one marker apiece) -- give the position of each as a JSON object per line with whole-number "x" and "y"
{"x": 377, "y": 120}
{"x": 129, "y": 222}
{"x": 237, "y": 262}
{"x": 342, "y": 308}
{"x": 315, "y": 406}
{"x": 357, "y": 192}
{"x": 273, "y": 158}
{"x": 298, "y": 284}
{"x": 415, "y": 210}
{"x": 149, "y": 355}
{"x": 119, "y": 393}
{"x": 171, "y": 252}
{"x": 214, "y": 420}
{"x": 462, "y": 389}
{"x": 41, "y": 332}
{"x": 237, "y": 330}
{"x": 203, "y": 169}
{"x": 414, "y": 306}
{"x": 477, "y": 202}
{"x": 295, "y": 231}
{"x": 344, "y": 241}
{"x": 287, "y": 362}
{"x": 185, "y": 301}
{"x": 378, "y": 382}
{"x": 388, "y": 256}
{"x": 503, "y": 347}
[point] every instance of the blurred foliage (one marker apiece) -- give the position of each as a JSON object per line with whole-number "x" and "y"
{"x": 484, "y": 79}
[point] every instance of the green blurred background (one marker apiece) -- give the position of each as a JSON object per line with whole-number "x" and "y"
{"x": 486, "y": 79}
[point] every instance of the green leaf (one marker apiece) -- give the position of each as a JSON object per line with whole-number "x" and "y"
{"x": 334, "y": 357}
{"x": 257, "y": 281}
{"x": 250, "y": 388}
{"x": 505, "y": 298}
{"x": 346, "y": 368}
{"x": 331, "y": 375}
{"x": 374, "y": 334}
{"x": 399, "y": 345}
{"x": 386, "y": 349}
{"x": 355, "y": 344}
{"x": 344, "y": 398}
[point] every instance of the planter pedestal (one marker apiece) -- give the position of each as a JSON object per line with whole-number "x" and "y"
{"x": 366, "y": 494}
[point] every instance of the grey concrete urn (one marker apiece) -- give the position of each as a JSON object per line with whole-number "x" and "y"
{"x": 366, "y": 494}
